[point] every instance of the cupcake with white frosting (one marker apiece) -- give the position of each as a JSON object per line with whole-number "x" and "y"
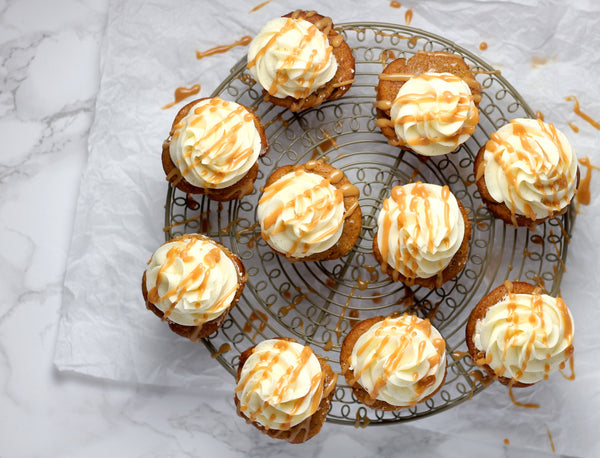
{"x": 192, "y": 282}
{"x": 394, "y": 362}
{"x": 519, "y": 335}
{"x": 284, "y": 389}
{"x": 527, "y": 172}
{"x": 428, "y": 104}
{"x": 301, "y": 61}
{"x": 309, "y": 212}
{"x": 423, "y": 235}
{"x": 213, "y": 149}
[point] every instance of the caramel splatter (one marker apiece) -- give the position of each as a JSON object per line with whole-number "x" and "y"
{"x": 580, "y": 113}
{"x": 244, "y": 41}
{"x": 259, "y": 6}
{"x": 584, "y": 196}
{"x": 483, "y": 45}
{"x": 182, "y": 93}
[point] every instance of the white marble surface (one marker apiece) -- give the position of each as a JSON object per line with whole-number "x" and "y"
{"x": 50, "y": 76}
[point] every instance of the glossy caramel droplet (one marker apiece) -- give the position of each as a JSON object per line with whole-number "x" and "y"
{"x": 182, "y": 93}
{"x": 395, "y": 4}
{"x": 408, "y": 16}
{"x": 483, "y": 45}
{"x": 244, "y": 41}
{"x": 539, "y": 115}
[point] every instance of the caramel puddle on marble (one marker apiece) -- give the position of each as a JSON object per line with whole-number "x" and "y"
{"x": 182, "y": 93}
{"x": 581, "y": 114}
{"x": 259, "y": 6}
{"x": 584, "y": 195}
{"x": 244, "y": 41}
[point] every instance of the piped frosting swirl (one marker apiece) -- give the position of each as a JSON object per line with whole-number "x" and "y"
{"x": 291, "y": 57}
{"x": 215, "y": 144}
{"x": 399, "y": 360}
{"x": 525, "y": 337}
{"x": 191, "y": 280}
{"x": 434, "y": 113}
{"x": 420, "y": 229}
{"x": 280, "y": 384}
{"x": 529, "y": 166}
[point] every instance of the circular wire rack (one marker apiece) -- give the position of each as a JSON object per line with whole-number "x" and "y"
{"x": 317, "y": 303}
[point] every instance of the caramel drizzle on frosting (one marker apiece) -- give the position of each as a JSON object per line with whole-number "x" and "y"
{"x": 532, "y": 156}
{"x": 463, "y": 112}
{"x": 182, "y": 251}
{"x": 419, "y": 193}
{"x": 411, "y": 324}
{"x": 324, "y": 26}
{"x": 211, "y": 153}
{"x": 320, "y": 206}
{"x": 513, "y": 332}
{"x": 282, "y": 385}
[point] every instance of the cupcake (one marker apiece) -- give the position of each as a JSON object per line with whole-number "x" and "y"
{"x": 428, "y": 104}
{"x": 192, "y": 282}
{"x": 300, "y": 61}
{"x": 518, "y": 335}
{"x": 527, "y": 172}
{"x": 213, "y": 149}
{"x": 309, "y": 212}
{"x": 393, "y": 362}
{"x": 422, "y": 236}
{"x": 284, "y": 389}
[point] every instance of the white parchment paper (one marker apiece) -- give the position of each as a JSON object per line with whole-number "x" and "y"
{"x": 547, "y": 50}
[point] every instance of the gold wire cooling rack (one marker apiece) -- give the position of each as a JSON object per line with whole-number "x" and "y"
{"x": 318, "y": 302}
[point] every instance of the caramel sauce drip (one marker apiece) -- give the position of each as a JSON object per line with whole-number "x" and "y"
{"x": 179, "y": 223}
{"x": 283, "y": 311}
{"x": 395, "y": 4}
{"x": 483, "y": 46}
{"x": 520, "y": 404}
{"x": 338, "y": 326}
{"x": 244, "y": 41}
{"x": 506, "y": 441}
{"x": 584, "y": 195}
{"x": 330, "y": 282}
{"x": 361, "y": 421}
{"x": 571, "y": 365}
{"x": 581, "y": 114}
{"x": 459, "y": 354}
{"x": 408, "y": 16}
{"x": 259, "y": 6}
{"x": 539, "y": 115}
{"x": 222, "y": 350}
{"x": 182, "y": 93}
{"x": 573, "y": 127}
{"x": 551, "y": 440}
{"x": 260, "y": 317}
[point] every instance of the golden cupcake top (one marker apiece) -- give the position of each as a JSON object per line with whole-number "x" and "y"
{"x": 215, "y": 144}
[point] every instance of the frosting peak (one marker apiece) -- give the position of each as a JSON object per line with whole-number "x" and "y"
{"x": 400, "y": 360}
{"x": 291, "y": 57}
{"x": 420, "y": 229}
{"x": 280, "y": 384}
{"x": 525, "y": 337}
{"x": 301, "y": 213}
{"x": 434, "y": 113}
{"x": 215, "y": 144}
{"x": 191, "y": 280}
{"x": 530, "y": 167}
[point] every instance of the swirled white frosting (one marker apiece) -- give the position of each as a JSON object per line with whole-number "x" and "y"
{"x": 434, "y": 113}
{"x": 525, "y": 337}
{"x": 215, "y": 144}
{"x": 531, "y": 168}
{"x": 191, "y": 280}
{"x": 420, "y": 229}
{"x": 291, "y": 57}
{"x": 300, "y": 214}
{"x": 280, "y": 384}
{"x": 399, "y": 360}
